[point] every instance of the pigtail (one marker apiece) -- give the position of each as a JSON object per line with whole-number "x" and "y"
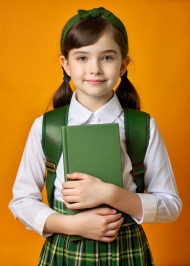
{"x": 84, "y": 33}
{"x": 64, "y": 93}
{"x": 127, "y": 94}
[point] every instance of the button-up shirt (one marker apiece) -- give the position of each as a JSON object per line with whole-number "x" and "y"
{"x": 160, "y": 203}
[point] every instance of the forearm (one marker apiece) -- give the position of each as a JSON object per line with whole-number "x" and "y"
{"x": 125, "y": 201}
{"x": 58, "y": 223}
{"x": 90, "y": 191}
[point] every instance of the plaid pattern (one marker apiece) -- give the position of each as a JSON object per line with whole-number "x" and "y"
{"x": 129, "y": 248}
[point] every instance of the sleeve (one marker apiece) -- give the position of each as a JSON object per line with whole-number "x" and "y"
{"x": 161, "y": 202}
{"x": 26, "y": 204}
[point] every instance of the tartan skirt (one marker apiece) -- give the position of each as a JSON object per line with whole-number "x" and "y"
{"x": 129, "y": 248}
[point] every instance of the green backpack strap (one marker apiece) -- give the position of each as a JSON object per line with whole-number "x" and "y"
{"x": 137, "y": 138}
{"x": 137, "y": 134}
{"x": 51, "y": 144}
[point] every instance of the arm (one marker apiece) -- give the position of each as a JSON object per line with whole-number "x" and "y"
{"x": 99, "y": 224}
{"x": 26, "y": 204}
{"x": 90, "y": 192}
{"x": 121, "y": 199}
{"x": 160, "y": 203}
{"x": 159, "y": 180}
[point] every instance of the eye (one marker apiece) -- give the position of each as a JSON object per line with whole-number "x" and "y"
{"x": 107, "y": 58}
{"x": 81, "y": 58}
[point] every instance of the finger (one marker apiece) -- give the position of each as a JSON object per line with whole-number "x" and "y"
{"x": 70, "y": 198}
{"x": 69, "y": 184}
{"x": 108, "y": 239}
{"x": 115, "y": 225}
{"x": 113, "y": 218}
{"x": 76, "y": 175}
{"x": 111, "y": 233}
{"x": 105, "y": 211}
{"x": 67, "y": 192}
{"x": 74, "y": 206}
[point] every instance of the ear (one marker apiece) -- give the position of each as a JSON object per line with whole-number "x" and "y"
{"x": 65, "y": 64}
{"x": 124, "y": 65}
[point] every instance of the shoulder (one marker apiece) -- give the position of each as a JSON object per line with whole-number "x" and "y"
{"x": 38, "y": 121}
{"x": 137, "y": 114}
{"x": 153, "y": 125}
{"x": 36, "y": 129}
{"x": 57, "y": 111}
{"x": 152, "y": 121}
{"x": 156, "y": 139}
{"x": 144, "y": 120}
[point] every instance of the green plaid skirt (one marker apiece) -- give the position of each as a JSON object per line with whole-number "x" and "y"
{"x": 129, "y": 248}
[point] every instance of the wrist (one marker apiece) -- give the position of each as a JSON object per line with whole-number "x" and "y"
{"x": 125, "y": 201}
{"x": 110, "y": 193}
{"x": 69, "y": 224}
{"x": 78, "y": 223}
{"x": 58, "y": 223}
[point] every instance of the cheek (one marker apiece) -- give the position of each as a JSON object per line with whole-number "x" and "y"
{"x": 114, "y": 72}
{"x": 77, "y": 71}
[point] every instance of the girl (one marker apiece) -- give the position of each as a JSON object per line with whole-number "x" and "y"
{"x": 94, "y": 47}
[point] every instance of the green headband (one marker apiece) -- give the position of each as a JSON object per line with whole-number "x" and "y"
{"x": 96, "y": 12}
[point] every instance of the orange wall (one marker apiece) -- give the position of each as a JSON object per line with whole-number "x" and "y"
{"x": 30, "y": 72}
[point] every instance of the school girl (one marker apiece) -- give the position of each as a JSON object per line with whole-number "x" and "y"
{"x": 94, "y": 54}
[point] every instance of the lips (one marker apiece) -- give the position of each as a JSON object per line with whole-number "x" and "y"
{"x": 95, "y": 81}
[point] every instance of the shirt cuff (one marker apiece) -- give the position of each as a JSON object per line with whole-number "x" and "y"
{"x": 41, "y": 220}
{"x": 149, "y": 206}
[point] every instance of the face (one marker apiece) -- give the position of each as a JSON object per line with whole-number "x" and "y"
{"x": 95, "y": 69}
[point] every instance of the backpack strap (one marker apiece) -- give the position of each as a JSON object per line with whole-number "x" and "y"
{"x": 137, "y": 138}
{"x": 51, "y": 144}
{"x": 137, "y": 134}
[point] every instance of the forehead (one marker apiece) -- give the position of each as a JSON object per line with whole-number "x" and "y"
{"x": 106, "y": 42}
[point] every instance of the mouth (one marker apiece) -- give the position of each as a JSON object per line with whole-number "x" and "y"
{"x": 95, "y": 81}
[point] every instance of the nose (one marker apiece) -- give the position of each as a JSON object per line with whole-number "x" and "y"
{"x": 95, "y": 67}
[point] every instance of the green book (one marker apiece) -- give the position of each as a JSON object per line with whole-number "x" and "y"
{"x": 94, "y": 150}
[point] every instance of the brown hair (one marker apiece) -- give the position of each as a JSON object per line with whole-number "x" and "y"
{"x": 86, "y": 32}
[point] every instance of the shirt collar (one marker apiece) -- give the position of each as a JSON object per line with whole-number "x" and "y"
{"x": 108, "y": 113}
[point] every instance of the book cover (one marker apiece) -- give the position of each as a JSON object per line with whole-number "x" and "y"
{"x": 95, "y": 150}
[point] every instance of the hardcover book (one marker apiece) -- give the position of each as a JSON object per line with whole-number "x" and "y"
{"x": 95, "y": 150}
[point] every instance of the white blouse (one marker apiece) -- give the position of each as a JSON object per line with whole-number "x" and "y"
{"x": 161, "y": 202}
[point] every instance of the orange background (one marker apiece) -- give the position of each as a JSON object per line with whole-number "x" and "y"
{"x": 159, "y": 44}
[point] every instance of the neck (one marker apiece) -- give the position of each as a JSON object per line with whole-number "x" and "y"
{"x": 93, "y": 103}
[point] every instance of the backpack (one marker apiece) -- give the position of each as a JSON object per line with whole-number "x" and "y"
{"x": 137, "y": 139}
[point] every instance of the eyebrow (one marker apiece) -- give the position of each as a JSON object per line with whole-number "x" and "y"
{"x": 104, "y": 51}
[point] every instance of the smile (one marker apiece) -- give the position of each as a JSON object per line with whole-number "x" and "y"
{"x": 92, "y": 81}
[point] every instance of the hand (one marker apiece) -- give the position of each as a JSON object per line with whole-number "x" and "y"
{"x": 100, "y": 224}
{"x": 84, "y": 191}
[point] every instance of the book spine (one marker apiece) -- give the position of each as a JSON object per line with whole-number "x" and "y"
{"x": 65, "y": 152}
{"x": 66, "y": 171}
